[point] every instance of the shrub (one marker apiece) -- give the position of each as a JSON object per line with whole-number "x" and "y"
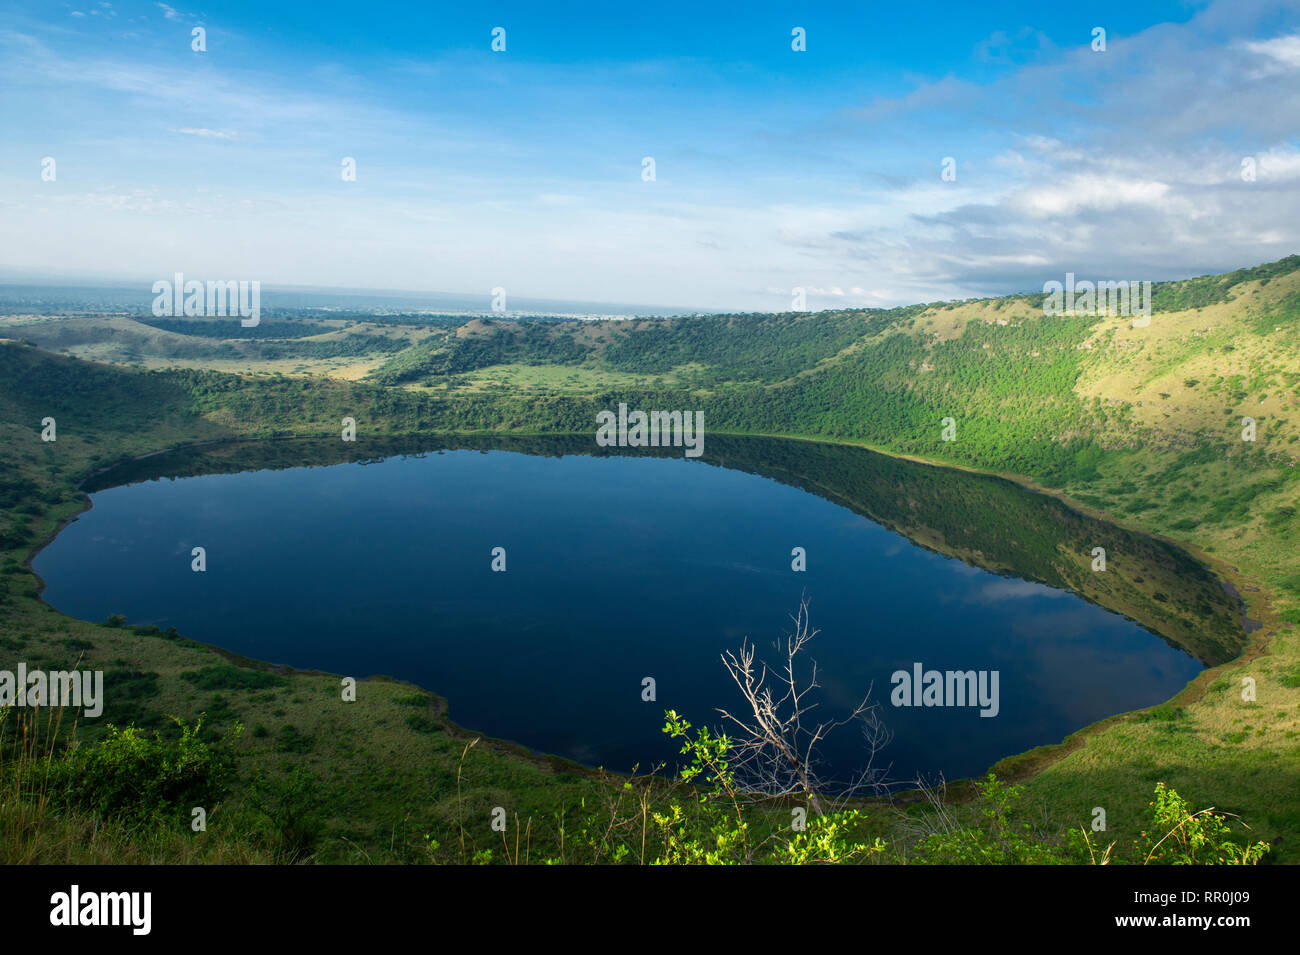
{"x": 995, "y": 841}
{"x": 225, "y": 677}
{"x": 1191, "y": 838}
{"x": 291, "y": 740}
{"x": 133, "y": 777}
{"x": 293, "y": 809}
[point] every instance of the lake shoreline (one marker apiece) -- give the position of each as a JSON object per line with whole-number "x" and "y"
{"x": 1019, "y": 766}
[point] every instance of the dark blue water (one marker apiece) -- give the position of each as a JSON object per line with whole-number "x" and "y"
{"x": 617, "y": 569}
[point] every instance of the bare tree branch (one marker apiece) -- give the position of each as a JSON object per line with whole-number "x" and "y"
{"x": 775, "y": 746}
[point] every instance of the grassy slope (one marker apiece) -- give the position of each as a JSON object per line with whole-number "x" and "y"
{"x": 1141, "y": 424}
{"x": 1184, "y": 383}
{"x": 335, "y": 348}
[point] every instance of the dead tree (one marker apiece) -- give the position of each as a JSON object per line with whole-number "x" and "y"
{"x": 775, "y": 745}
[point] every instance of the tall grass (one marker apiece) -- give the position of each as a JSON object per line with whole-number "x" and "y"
{"x": 28, "y": 741}
{"x": 37, "y": 827}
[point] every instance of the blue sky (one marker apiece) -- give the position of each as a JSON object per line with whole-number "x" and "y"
{"x": 775, "y": 169}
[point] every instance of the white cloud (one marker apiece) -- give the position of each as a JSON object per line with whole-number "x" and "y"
{"x": 1280, "y": 53}
{"x": 1012, "y": 589}
{"x": 1088, "y": 192}
{"x": 208, "y": 133}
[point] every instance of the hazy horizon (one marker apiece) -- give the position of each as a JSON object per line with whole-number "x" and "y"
{"x": 138, "y": 293}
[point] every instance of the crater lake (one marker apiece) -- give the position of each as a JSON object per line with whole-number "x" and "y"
{"x": 628, "y": 567}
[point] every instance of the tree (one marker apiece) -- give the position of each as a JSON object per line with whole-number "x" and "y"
{"x": 775, "y": 746}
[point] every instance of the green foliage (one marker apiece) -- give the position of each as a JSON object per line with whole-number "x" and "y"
{"x": 1162, "y": 714}
{"x": 752, "y": 347}
{"x": 1181, "y": 837}
{"x": 995, "y": 841}
{"x": 716, "y": 832}
{"x": 347, "y": 346}
{"x": 831, "y": 840}
{"x": 500, "y": 342}
{"x": 136, "y": 777}
{"x": 224, "y": 677}
{"x": 128, "y": 695}
{"x": 294, "y": 808}
{"x": 1211, "y": 289}
{"x": 292, "y": 740}
{"x": 422, "y": 723}
{"x": 719, "y": 827}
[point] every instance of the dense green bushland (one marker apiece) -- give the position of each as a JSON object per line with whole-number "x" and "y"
{"x": 529, "y": 343}
{"x": 764, "y": 348}
{"x": 1210, "y": 289}
{"x": 721, "y": 348}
